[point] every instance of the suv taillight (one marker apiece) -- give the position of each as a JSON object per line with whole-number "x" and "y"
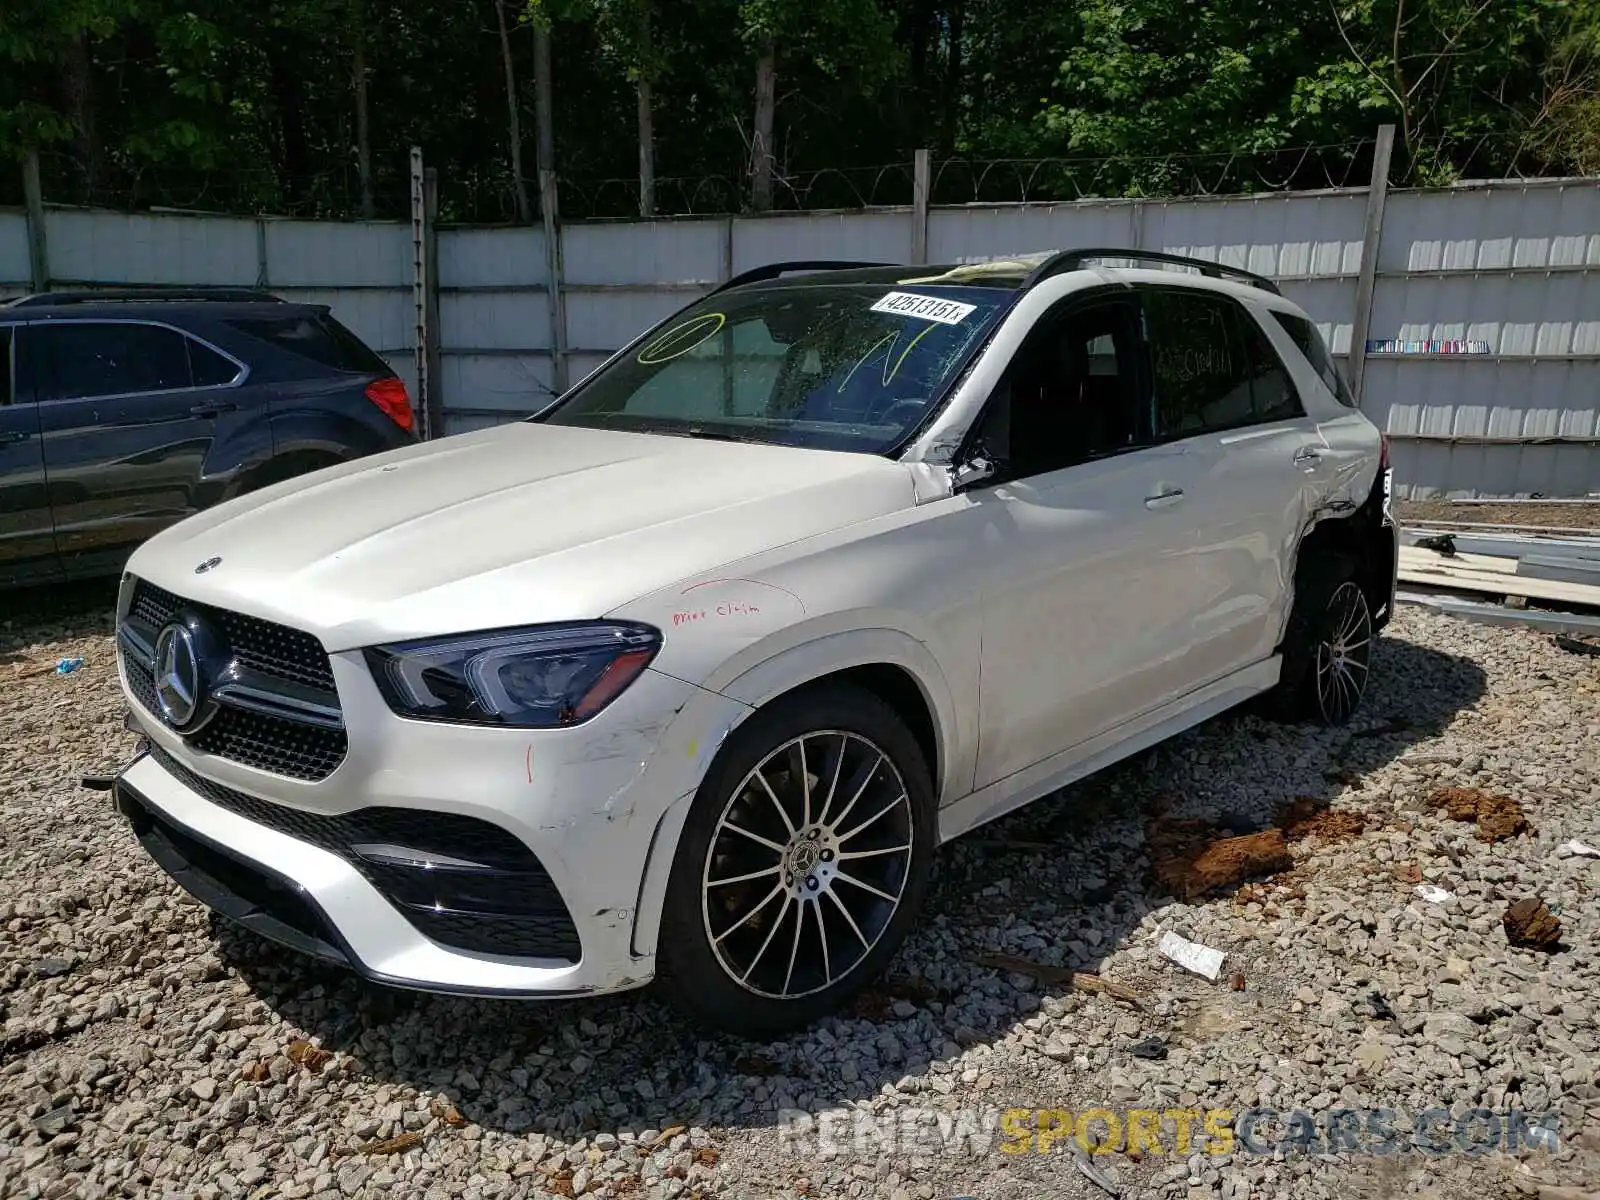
{"x": 1383, "y": 451}
{"x": 390, "y": 395}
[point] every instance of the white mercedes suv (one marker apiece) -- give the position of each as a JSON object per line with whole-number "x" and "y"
{"x": 688, "y": 676}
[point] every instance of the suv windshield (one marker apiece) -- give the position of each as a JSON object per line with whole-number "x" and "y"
{"x": 843, "y": 366}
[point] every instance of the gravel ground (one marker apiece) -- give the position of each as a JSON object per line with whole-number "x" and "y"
{"x": 150, "y": 1051}
{"x": 1568, "y": 516}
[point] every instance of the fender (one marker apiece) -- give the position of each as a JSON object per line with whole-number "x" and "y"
{"x": 738, "y": 689}
{"x": 246, "y": 446}
{"x": 791, "y": 652}
{"x": 858, "y": 647}
{"x": 325, "y": 431}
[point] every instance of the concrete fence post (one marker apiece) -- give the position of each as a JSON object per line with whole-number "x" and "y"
{"x": 1371, "y": 243}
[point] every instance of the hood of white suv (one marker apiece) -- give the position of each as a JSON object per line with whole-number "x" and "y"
{"x": 519, "y": 524}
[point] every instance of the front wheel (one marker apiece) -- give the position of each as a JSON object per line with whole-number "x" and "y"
{"x": 802, "y": 864}
{"x": 1327, "y": 650}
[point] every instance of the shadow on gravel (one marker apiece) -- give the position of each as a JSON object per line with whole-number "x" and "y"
{"x": 50, "y": 611}
{"x": 1061, "y": 883}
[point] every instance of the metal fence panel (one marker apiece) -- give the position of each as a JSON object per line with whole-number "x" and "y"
{"x": 1516, "y": 265}
{"x": 15, "y": 273}
{"x": 1318, "y": 234}
{"x": 857, "y": 237}
{"x": 335, "y": 254}
{"x": 491, "y": 258}
{"x": 1516, "y": 313}
{"x": 647, "y": 253}
{"x": 144, "y": 248}
{"x": 1503, "y": 224}
{"x": 959, "y": 234}
{"x": 483, "y": 385}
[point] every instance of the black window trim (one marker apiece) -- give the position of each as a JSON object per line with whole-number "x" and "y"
{"x": 8, "y": 398}
{"x": 1080, "y": 299}
{"x": 238, "y": 379}
{"x": 1141, "y": 290}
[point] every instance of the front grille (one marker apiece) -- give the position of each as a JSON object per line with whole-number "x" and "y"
{"x": 269, "y": 743}
{"x": 278, "y": 650}
{"x": 265, "y": 646}
{"x": 277, "y": 744}
{"x": 511, "y": 908}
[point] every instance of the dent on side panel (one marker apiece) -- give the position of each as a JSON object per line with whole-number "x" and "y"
{"x": 1343, "y": 500}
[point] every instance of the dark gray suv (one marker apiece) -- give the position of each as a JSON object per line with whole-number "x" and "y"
{"x": 123, "y": 412}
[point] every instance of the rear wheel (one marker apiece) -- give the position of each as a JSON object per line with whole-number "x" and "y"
{"x": 802, "y": 865}
{"x": 1327, "y": 650}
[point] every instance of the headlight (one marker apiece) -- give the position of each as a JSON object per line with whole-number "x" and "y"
{"x": 540, "y": 677}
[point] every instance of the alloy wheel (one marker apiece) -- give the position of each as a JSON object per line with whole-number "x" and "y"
{"x": 807, "y": 865}
{"x": 1344, "y": 655}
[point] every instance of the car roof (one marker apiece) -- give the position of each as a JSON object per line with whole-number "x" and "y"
{"x": 1014, "y": 273}
{"x": 1008, "y": 276}
{"x": 150, "y": 304}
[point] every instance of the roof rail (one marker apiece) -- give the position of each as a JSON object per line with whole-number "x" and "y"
{"x": 1072, "y": 260}
{"x": 773, "y": 270}
{"x": 124, "y": 295}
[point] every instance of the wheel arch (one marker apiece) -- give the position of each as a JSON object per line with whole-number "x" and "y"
{"x": 887, "y": 663}
{"x": 1362, "y": 537}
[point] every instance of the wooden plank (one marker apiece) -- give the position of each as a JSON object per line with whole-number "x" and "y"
{"x": 1556, "y": 570}
{"x": 1440, "y": 572}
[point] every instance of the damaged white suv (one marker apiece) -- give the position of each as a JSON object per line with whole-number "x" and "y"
{"x": 688, "y": 676}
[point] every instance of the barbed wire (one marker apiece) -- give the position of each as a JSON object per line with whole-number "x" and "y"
{"x": 487, "y": 193}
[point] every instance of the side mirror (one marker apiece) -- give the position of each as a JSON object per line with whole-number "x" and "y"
{"x": 974, "y": 470}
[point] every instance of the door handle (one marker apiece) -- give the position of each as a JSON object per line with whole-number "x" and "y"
{"x": 14, "y": 435}
{"x": 1308, "y": 458}
{"x": 211, "y": 410}
{"x": 1165, "y": 498}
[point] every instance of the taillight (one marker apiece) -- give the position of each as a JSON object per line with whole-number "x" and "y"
{"x": 390, "y": 395}
{"x": 1383, "y": 451}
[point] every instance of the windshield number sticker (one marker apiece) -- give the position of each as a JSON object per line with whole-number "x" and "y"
{"x": 926, "y": 308}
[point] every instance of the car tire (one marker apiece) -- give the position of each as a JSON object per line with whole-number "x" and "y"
{"x": 1327, "y": 647}
{"x": 760, "y": 870}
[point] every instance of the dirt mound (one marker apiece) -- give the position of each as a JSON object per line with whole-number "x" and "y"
{"x": 1497, "y": 817}
{"x": 1531, "y": 925}
{"x": 1304, "y": 818}
{"x": 1190, "y": 859}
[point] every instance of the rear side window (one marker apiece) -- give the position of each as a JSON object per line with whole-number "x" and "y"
{"x": 1310, "y": 341}
{"x": 1271, "y": 390}
{"x": 83, "y": 359}
{"x": 317, "y": 337}
{"x": 209, "y": 368}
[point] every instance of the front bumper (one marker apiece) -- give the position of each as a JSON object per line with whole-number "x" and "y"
{"x": 312, "y": 865}
{"x": 316, "y": 902}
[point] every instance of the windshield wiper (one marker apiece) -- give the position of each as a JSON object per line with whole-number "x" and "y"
{"x": 710, "y": 435}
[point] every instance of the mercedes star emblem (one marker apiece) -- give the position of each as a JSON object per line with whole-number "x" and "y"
{"x": 178, "y": 680}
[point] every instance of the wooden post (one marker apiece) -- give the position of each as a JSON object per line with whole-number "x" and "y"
{"x": 921, "y": 178}
{"x": 1371, "y": 242}
{"x": 549, "y": 208}
{"x": 33, "y": 197}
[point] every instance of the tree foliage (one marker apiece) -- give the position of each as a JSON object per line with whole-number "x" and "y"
{"x": 253, "y": 107}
